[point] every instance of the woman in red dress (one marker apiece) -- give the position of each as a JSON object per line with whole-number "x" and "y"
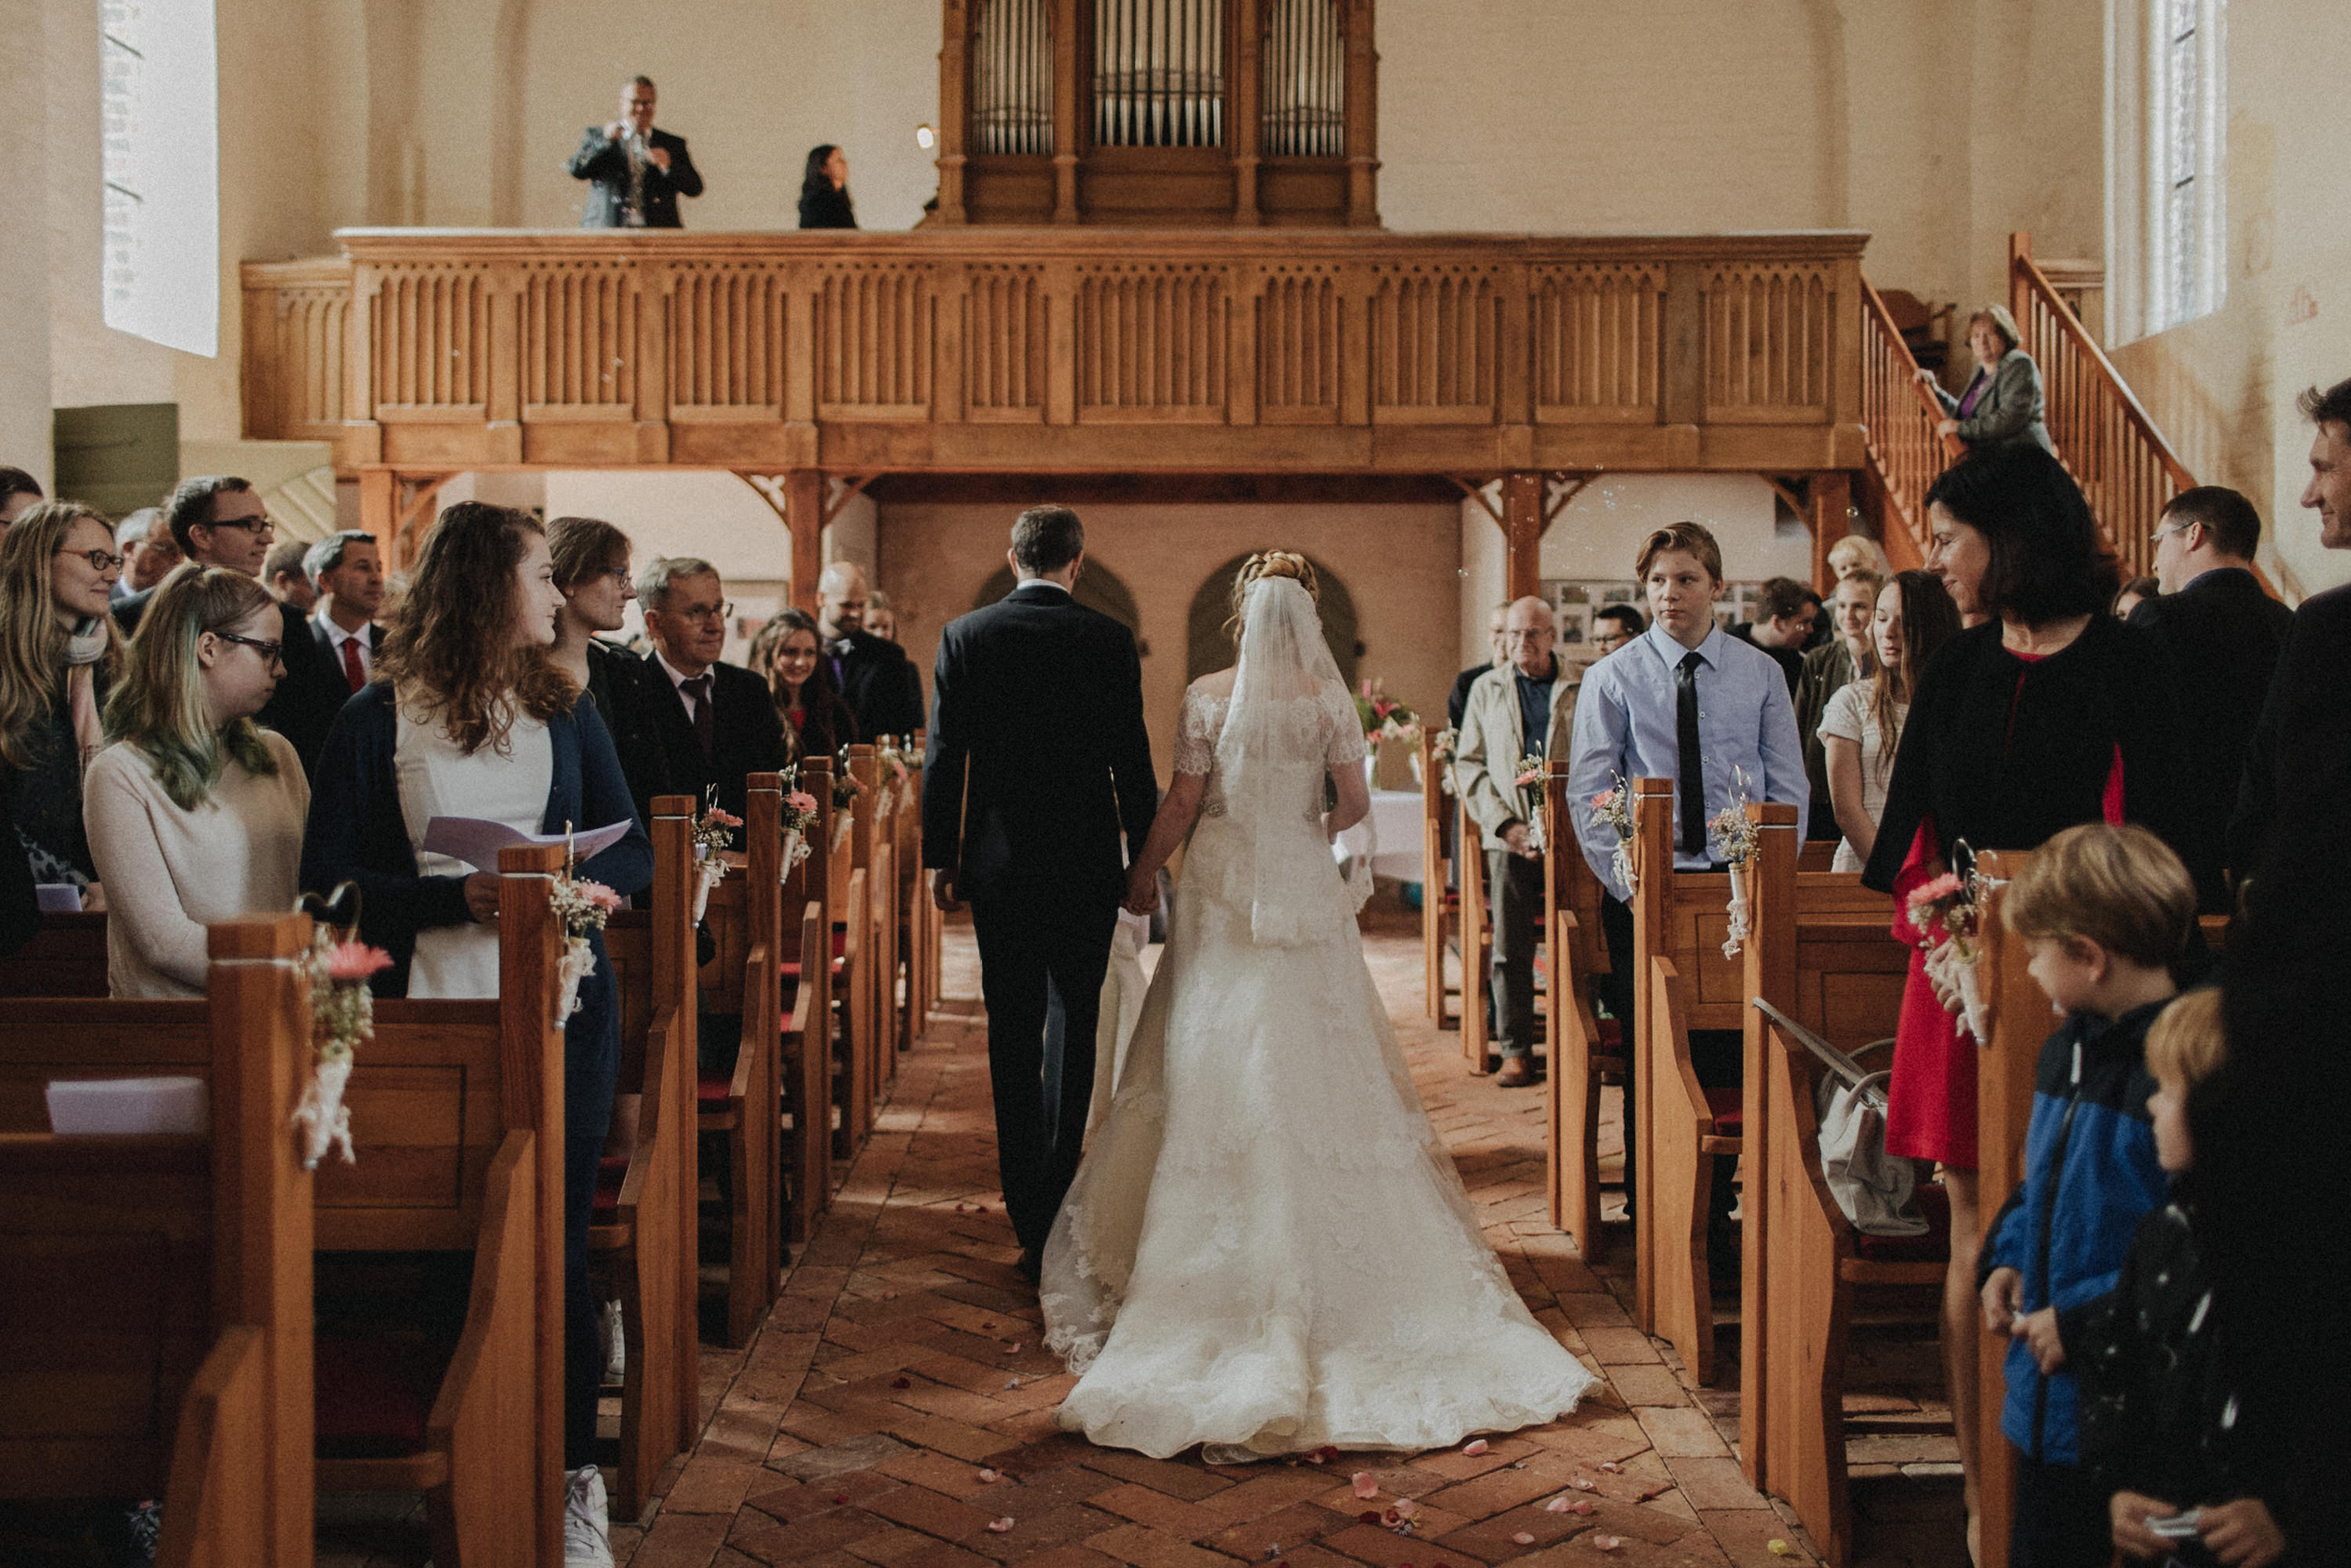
{"x": 2047, "y": 715}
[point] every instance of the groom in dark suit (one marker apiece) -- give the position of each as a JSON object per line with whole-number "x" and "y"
{"x": 1038, "y": 761}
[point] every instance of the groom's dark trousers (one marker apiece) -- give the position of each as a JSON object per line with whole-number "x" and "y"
{"x": 1038, "y": 762}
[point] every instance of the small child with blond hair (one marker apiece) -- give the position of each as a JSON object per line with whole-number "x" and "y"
{"x": 2166, "y": 1431}
{"x": 2106, "y": 914}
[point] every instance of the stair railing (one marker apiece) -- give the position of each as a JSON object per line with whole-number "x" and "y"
{"x": 1898, "y": 416}
{"x": 2125, "y": 468}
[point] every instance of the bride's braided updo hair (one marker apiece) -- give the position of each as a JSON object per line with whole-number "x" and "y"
{"x": 1270, "y": 563}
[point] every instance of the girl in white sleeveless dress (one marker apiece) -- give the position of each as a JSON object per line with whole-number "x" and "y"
{"x": 1267, "y": 1248}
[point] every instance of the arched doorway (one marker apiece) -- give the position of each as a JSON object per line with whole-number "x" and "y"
{"x": 1099, "y": 588}
{"x": 1208, "y": 646}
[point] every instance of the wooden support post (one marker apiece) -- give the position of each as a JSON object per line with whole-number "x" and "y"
{"x": 1363, "y": 119}
{"x": 1522, "y": 528}
{"x": 1249, "y": 108}
{"x": 1828, "y": 495}
{"x": 2020, "y": 291}
{"x": 804, "y": 515}
{"x": 955, "y": 109}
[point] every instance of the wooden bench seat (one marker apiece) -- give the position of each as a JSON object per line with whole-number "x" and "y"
{"x": 158, "y": 1287}
{"x": 1586, "y": 1050}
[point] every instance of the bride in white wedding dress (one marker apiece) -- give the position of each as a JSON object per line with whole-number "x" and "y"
{"x": 1267, "y": 1248}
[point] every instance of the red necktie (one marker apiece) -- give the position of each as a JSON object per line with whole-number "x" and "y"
{"x": 353, "y": 671}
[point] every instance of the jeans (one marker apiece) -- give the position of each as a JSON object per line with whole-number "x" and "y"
{"x": 592, "y": 1072}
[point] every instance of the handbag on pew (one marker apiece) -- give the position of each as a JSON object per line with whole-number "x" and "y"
{"x": 1878, "y": 1191}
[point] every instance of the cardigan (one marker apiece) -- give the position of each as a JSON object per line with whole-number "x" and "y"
{"x": 357, "y": 834}
{"x": 2005, "y": 752}
{"x": 2010, "y": 410}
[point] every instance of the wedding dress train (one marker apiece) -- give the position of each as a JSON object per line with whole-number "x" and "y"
{"x": 1267, "y": 1247}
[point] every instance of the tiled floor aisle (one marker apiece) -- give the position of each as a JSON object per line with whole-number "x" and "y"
{"x": 902, "y": 1369}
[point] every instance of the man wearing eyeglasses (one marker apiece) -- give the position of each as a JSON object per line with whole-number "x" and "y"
{"x": 220, "y": 520}
{"x": 723, "y": 724}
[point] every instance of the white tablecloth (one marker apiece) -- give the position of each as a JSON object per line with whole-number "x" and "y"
{"x": 1389, "y": 835}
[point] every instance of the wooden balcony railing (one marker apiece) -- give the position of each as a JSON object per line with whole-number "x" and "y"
{"x": 1905, "y": 456}
{"x": 965, "y": 350}
{"x": 2120, "y": 459}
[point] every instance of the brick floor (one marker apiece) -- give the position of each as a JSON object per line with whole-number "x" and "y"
{"x": 903, "y": 1363}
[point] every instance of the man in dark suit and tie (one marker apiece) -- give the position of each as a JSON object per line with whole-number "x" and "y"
{"x": 877, "y": 680}
{"x": 717, "y": 721}
{"x": 347, "y": 573}
{"x": 2224, "y": 632}
{"x": 635, "y": 174}
{"x": 219, "y": 520}
{"x": 1038, "y": 761}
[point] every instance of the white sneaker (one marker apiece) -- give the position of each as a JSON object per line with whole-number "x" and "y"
{"x": 616, "y": 1344}
{"x": 586, "y": 1529}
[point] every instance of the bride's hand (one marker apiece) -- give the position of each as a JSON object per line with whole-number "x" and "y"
{"x": 1142, "y": 893}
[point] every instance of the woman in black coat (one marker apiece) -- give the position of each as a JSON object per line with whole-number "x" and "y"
{"x": 824, "y": 190}
{"x": 2048, "y": 714}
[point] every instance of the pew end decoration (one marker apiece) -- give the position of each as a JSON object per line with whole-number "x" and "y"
{"x": 1613, "y": 807}
{"x": 1947, "y": 911}
{"x": 713, "y": 831}
{"x": 581, "y": 908}
{"x": 1735, "y": 837}
{"x": 342, "y": 1014}
{"x": 798, "y": 815}
{"x": 1445, "y": 743}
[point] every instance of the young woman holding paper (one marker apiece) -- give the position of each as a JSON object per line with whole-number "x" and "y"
{"x": 469, "y": 716}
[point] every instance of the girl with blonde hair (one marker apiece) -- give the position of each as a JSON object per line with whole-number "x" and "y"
{"x": 194, "y": 812}
{"x": 59, "y": 657}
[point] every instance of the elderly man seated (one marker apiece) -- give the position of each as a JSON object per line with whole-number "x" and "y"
{"x": 1524, "y": 706}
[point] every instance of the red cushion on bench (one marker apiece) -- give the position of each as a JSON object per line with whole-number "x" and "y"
{"x": 372, "y": 1396}
{"x": 610, "y": 1172}
{"x": 713, "y": 1091}
{"x": 790, "y": 968}
{"x": 1612, "y": 1035}
{"x": 1728, "y": 1109}
{"x": 1930, "y": 1248}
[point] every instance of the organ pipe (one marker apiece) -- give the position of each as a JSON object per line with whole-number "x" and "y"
{"x": 1305, "y": 79}
{"x": 1012, "y": 78}
{"x": 1159, "y": 73}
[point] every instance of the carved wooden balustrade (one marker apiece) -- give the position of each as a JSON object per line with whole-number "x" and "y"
{"x": 1063, "y": 350}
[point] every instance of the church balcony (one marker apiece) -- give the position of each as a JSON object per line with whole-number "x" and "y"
{"x": 1081, "y": 350}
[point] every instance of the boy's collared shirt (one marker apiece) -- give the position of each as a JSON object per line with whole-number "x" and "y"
{"x": 1627, "y": 723}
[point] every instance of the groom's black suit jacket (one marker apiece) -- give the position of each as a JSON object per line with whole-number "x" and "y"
{"x": 1038, "y": 755}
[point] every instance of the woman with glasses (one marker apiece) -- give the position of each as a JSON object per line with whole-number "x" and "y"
{"x": 787, "y": 654}
{"x": 59, "y": 657}
{"x": 194, "y": 812}
{"x": 592, "y": 572}
{"x": 468, "y": 716}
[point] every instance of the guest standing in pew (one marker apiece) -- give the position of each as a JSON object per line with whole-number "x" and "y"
{"x": 219, "y": 520}
{"x": 2138, "y": 590}
{"x": 282, "y": 574}
{"x": 712, "y": 721}
{"x": 635, "y": 173}
{"x": 881, "y": 619}
{"x": 1615, "y": 625}
{"x": 788, "y": 653}
{"x": 1456, "y": 702}
{"x": 1524, "y": 706}
{"x": 349, "y": 572}
{"x": 467, "y": 716}
{"x": 1684, "y": 701}
{"x": 1784, "y": 621}
{"x": 592, "y": 572}
{"x": 2002, "y": 404}
{"x": 824, "y": 190}
{"x": 2167, "y": 1425}
{"x": 2224, "y": 632}
{"x": 1848, "y": 656}
{"x": 2048, "y": 714}
{"x": 60, "y": 655}
{"x": 143, "y": 539}
{"x": 1862, "y": 729}
{"x": 875, "y": 678}
{"x": 20, "y": 494}
{"x": 194, "y": 812}
{"x": 2105, "y": 915}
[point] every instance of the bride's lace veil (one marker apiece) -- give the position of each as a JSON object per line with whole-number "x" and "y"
{"x": 1272, "y": 752}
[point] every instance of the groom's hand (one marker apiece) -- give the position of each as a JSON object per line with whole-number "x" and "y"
{"x": 943, "y": 889}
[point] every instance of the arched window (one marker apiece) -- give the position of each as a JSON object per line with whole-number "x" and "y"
{"x": 2167, "y": 256}
{"x": 1211, "y": 647}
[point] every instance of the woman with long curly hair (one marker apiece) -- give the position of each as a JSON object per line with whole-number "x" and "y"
{"x": 194, "y": 812}
{"x": 788, "y": 653}
{"x": 468, "y": 716}
{"x": 59, "y": 657}
{"x": 1862, "y": 726}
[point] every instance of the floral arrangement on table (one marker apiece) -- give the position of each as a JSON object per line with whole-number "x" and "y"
{"x": 1735, "y": 839}
{"x": 1947, "y": 910}
{"x": 342, "y": 1014}
{"x": 1613, "y": 807}
{"x": 1383, "y": 717}
{"x": 798, "y": 816}
{"x": 713, "y": 831}
{"x": 582, "y": 906}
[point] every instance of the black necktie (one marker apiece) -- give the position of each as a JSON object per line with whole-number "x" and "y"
{"x": 1689, "y": 767}
{"x": 705, "y": 729}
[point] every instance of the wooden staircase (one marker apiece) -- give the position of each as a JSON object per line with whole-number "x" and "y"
{"x": 2125, "y": 468}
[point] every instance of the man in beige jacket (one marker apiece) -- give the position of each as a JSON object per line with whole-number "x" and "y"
{"x": 1522, "y": 706}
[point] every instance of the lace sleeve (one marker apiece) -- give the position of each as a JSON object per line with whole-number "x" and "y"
{"x": 1195, "y": 733}
{"x": 1346, "y": 746}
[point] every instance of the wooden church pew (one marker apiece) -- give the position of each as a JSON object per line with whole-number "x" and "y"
{"x": 158, "y": 1287}
{"x": 644, "y": 1228}
{"x": 1821, "y": 952}
{"x": 740, "y": 1101}
{"x": 1439, "y": 904}
{"x": 66, "y": 958}
{"x": 871, "y": 1041}
{"x": 810, "y": 988}
{"x": 1585, "y": 1050}
{"x": 1476, "y": 940}
{"x": 851, "y": 908}
{"x": 906, "y": 858}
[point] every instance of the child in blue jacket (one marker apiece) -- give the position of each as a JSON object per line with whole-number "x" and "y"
{"x": 2106, "y": 914}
